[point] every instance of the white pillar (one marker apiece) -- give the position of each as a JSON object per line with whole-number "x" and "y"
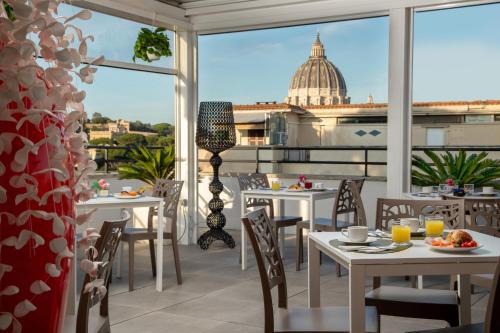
{"x": 400, "y": 102}
{"x": 186, "y": 166}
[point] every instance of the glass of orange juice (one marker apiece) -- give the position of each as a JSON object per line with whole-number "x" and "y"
{"x": 276, "y": 185}
{"x": 434, "y": 225}
{"x": 400, "y": 233}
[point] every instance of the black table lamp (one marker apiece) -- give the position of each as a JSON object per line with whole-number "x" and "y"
{"x": 215, "y": 132}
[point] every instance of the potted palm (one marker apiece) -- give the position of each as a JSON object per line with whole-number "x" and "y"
{"x": 149, "y": 165}
{"x": 457, "y": 169}
{"x": 152, "y": 45}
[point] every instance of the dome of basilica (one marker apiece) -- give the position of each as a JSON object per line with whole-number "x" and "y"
{"x": 317, "y": 81}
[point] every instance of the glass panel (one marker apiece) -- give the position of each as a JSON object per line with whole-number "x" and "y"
{"x": 115, "y": 37}
{"x": 323, "y": 88}
{"x": 456, "y": 73}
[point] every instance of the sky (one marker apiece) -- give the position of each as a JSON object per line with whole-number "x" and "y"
{"x": 456, "y": 57}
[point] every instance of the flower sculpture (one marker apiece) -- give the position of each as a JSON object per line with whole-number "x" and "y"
{"x": 43, "y": 161}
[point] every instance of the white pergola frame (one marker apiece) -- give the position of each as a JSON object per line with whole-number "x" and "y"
{"x": 219, "y": 16}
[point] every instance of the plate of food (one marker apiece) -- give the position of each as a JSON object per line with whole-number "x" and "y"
{"x": 295, "y": 188}
{"x": 455, "y": 241}
{"x": 127, "y": 195}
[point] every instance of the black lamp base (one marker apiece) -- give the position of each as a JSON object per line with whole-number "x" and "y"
{"x": 213, "y": 235}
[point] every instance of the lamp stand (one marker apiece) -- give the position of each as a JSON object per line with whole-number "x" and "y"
{"x": 216, "y": 220}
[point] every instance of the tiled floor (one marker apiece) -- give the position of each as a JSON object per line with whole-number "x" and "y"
{"x": 216, "y": 296}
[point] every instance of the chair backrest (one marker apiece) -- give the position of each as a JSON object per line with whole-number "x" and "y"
{"x": 491, "y": 322}
{"x": 269, "y": 262}
{"x": 170, "y": 191}
{"x": 106, "y": 245}
{"x": 483, "y": 215}
{"x": 348, "y": 200}
{"x": 255, "y": 181}
{"x": 389, "y": 210}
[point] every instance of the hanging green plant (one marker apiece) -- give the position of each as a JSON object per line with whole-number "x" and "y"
{"x": 9, "y": 11}
{"x": 151, "y": 45}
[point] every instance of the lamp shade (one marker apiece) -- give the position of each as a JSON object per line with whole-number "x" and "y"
{"x": 215, "y": 131}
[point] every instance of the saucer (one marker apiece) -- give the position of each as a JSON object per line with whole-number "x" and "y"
{"x": 346, "y": 240}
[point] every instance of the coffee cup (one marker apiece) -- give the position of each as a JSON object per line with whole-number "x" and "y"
{"x": 127, "y": 188}
{"x": 318, "y": 186}
{"x": 488, "y": 189}
{"x": 413, "y": 223}
{"x": 356, "y": 233}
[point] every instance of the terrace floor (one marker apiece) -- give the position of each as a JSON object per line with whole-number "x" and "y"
{"x": 216, "y": 296}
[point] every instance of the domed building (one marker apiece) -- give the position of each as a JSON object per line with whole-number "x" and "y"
{"x": 317, "y": 81}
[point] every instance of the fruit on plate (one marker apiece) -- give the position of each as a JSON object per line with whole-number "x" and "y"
{"x": 130, "y": 193}
{"x": 295, "y": 187}
{"x": 456, "y": 238}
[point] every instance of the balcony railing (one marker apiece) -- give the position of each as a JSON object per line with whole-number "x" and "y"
{"x": 367, "y": 161}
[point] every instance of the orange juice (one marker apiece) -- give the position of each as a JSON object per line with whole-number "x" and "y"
{"x": 401, "y": 233}
{"x": 434, "y": 228}
{"x": 275, "y": 186}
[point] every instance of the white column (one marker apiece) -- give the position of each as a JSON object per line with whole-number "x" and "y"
{"x": 185, "y": 129}
{"x": 400, "y": 101}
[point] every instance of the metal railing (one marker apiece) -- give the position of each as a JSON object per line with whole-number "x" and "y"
{"x": 294, "y": 155}
{"x": 111, "y": 163}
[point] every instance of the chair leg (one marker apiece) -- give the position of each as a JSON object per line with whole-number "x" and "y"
{"x": 177, "y": 261}
{"x": 338, "y": 269}
{"x": 298, "y": 247}
{"x": 152, "y": 256}
{"x": 131, "y": 254}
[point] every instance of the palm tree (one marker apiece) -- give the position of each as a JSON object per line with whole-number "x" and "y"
{"x": 473, "y": 169}
{"x": 149, "y": 165}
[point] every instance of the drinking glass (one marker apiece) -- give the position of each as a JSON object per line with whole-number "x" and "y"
{"x": 400, "y": 233}
{"x": 469, "y": 188}
{"x": 434, "y": 226}
{"x": 435, "y": 189}
{"x": 275, "y": 185}
{"x": 443, "y": 188}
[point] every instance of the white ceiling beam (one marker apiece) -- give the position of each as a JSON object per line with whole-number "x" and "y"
{"x": 227, "y": 17}
{"x": 145, "y": 11}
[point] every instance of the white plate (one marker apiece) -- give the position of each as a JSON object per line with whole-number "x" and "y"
{"x": 120, "y": 196}
{"x": 346, "y": 240}
{"x": 494, "y": 194}
{"x": 293, "y": 190}
{"x": 455, "y": 249}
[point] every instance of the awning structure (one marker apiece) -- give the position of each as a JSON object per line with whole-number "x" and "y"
{"x": 249, "y": 118}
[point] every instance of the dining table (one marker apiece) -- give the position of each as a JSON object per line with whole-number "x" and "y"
{"x": 418, "y": 259}
{"x": 311, "y": 196}
{"x": 438, "y": 196}
{"x": 117, "y": 202}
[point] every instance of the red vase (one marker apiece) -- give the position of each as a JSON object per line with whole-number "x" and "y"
{"x": 23, "y": 266}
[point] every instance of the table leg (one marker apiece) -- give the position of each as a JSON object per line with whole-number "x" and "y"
{"x": 243, "y": 236}
{"x": 313, "y": 277}
{"x": 312, "y": 213}
{"x": 119, "y": 257}
{"x": 465, "y": 301}
{"x": 159, "y": 247}
{"x": 281, "y": 212}
{"x": 356, "y": 298}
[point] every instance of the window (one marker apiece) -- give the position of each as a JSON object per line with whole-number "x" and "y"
{"x": 125, "y": 107}
{"x": 256, "y": 137}
{"x": 320, "y": 72}
{"x": 456, "y": 78}
{"x": 435, "y": 137}
{"x": 362, "y": 120}
{"x": 479, "y": 118}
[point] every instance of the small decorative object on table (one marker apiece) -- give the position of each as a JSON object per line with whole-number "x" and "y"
{"x": 215, "y": 133}
{"x": 101, "y": 187}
